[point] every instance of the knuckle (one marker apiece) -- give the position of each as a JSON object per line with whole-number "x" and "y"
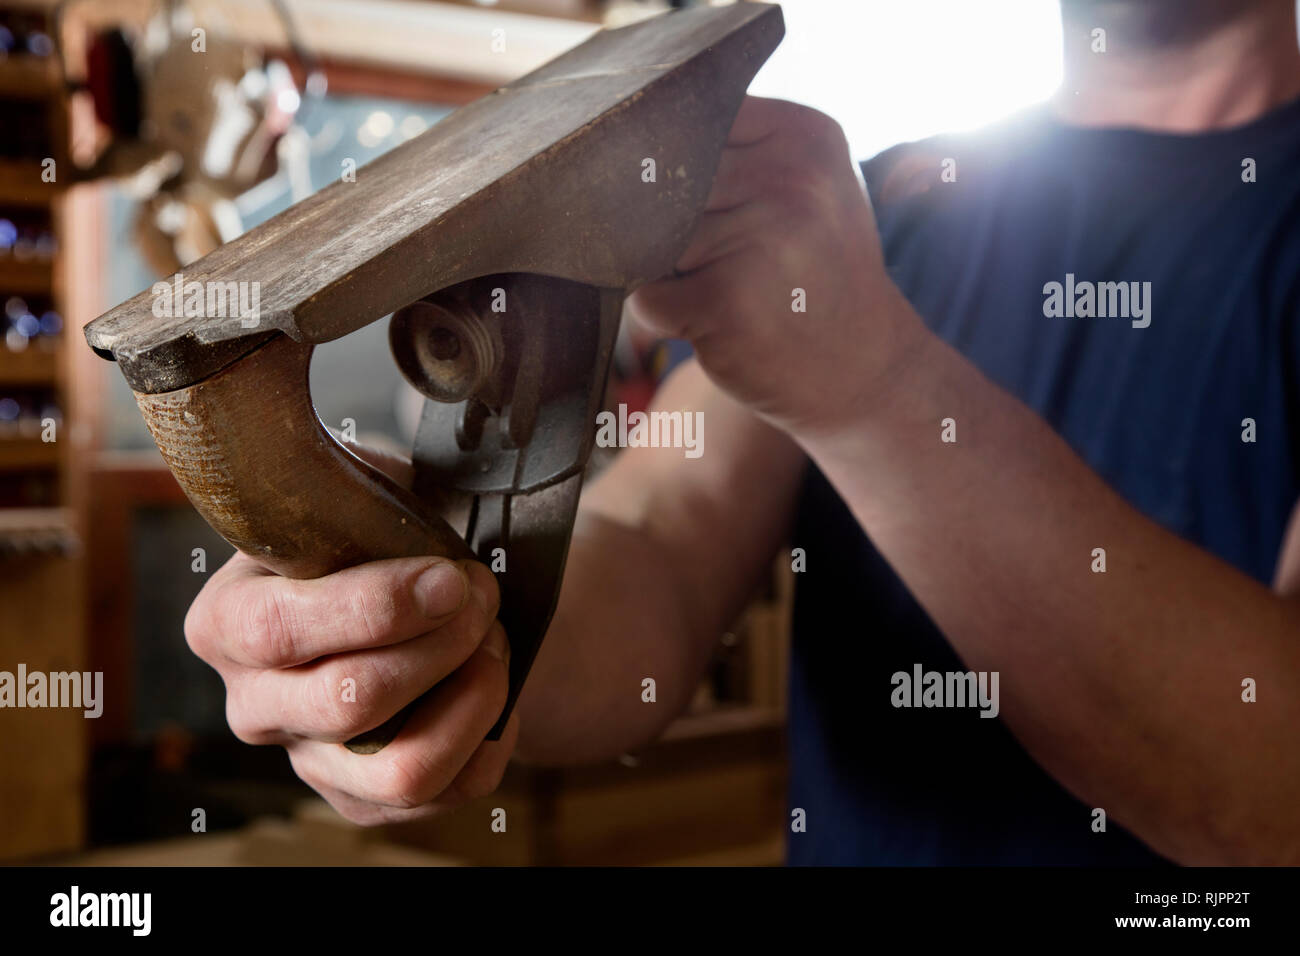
{"x": 459, "y": 638}
{"x": 467, "y": 634}
{"x": 358, "y": 815}
{"x": 379, "y": 608}
{"x": 200, "y": 625}
{"x": 349, "y": 697}
{"x": 480, "y": 781}
{"x": 486, "y": 687}
{"x": 313, "y": 778}
{"x": 786, "y": 257}
{"x": 264, "y": 628}
{"x": 805, "y": 191}
{"x": 830, "y": 136}
{"x": 242, "y": 724}
{"x": 407, "y": 781}
{"x": 815, "y": 129}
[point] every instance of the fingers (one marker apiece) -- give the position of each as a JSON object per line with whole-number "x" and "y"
{"x": 312, "y": 663}
{"x": 794, "y": 161}
{"x": 438, "y": 742}
{"x": 252, "y": 618}
{"x": 343, "y": 695}
{"x": 744, "y": 174}
{"x": 776, "y": 146}
{"x": 483, "y": 773}
{"x": 366, "y": 814}
{"x": 669, "y": 305}
{"x": 783, "y": 181}
{"x": 477, "y": 779}
{"x": 718, "y": 234}
{"x": 759, "y": 117}
{"x": 699, "y": 301}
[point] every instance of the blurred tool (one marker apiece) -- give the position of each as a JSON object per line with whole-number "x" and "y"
{"x": 190, "y": 141}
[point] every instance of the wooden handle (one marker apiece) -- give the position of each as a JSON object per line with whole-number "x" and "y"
{"x": 248, "y": 449}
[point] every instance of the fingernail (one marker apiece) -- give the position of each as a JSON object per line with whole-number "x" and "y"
{"x": 497, "y": 645}
{"x": 440, "y": 589}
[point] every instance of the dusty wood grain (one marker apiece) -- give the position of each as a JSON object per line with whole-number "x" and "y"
{"x": 254, "y": 459}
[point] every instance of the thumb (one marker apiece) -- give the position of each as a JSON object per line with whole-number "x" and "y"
{"x": 663, "y": 306}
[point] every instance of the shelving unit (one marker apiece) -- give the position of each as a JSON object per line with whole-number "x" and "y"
{"x": 41, "y": 515}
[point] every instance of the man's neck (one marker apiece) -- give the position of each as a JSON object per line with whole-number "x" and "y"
{"x": 1178, "y": 67}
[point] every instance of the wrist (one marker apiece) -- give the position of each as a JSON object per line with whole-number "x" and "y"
{"x": 878, "y": 377}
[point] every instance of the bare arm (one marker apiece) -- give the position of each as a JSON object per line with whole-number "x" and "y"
{"x": 1127, "y": 685}
{"x": 665, "y": 552}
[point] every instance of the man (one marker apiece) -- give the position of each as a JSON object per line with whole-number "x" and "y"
{"x": 1059, "y": 446}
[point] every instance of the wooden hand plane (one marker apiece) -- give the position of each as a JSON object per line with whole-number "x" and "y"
{"x": 503, "y": 240}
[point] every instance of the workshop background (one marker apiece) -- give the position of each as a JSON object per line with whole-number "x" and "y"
{"x": 125, "y": 154}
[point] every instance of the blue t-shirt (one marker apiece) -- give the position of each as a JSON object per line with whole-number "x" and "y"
{"x": 1153, "y": 396}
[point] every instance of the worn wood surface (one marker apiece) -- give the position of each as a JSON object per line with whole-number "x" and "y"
{"x": 252, "y": 456}
{"x": 543, "y": 176}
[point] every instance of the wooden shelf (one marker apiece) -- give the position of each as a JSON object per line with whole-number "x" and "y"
{"x": 43, "y": 804}
{"x": 29, "y": 77}
{"x": 33, "y": 277}
{"x": 35, "y": 365}
{"x": 21, "y": 184}
{"x": 20, "y": 454}
{"x": 23, "y": 520}
{"x": 404, "y": 37}
{"x": 29, "y": 531}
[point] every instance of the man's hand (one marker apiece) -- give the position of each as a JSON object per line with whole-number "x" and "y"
{"x": 310, "y": 664}
{"x": 786, "y": 213}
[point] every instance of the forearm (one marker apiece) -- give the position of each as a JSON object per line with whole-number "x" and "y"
{"x": 666, "y": 551}
{"x": 620, "y": 620}
{"x": 1125, "y": 685}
